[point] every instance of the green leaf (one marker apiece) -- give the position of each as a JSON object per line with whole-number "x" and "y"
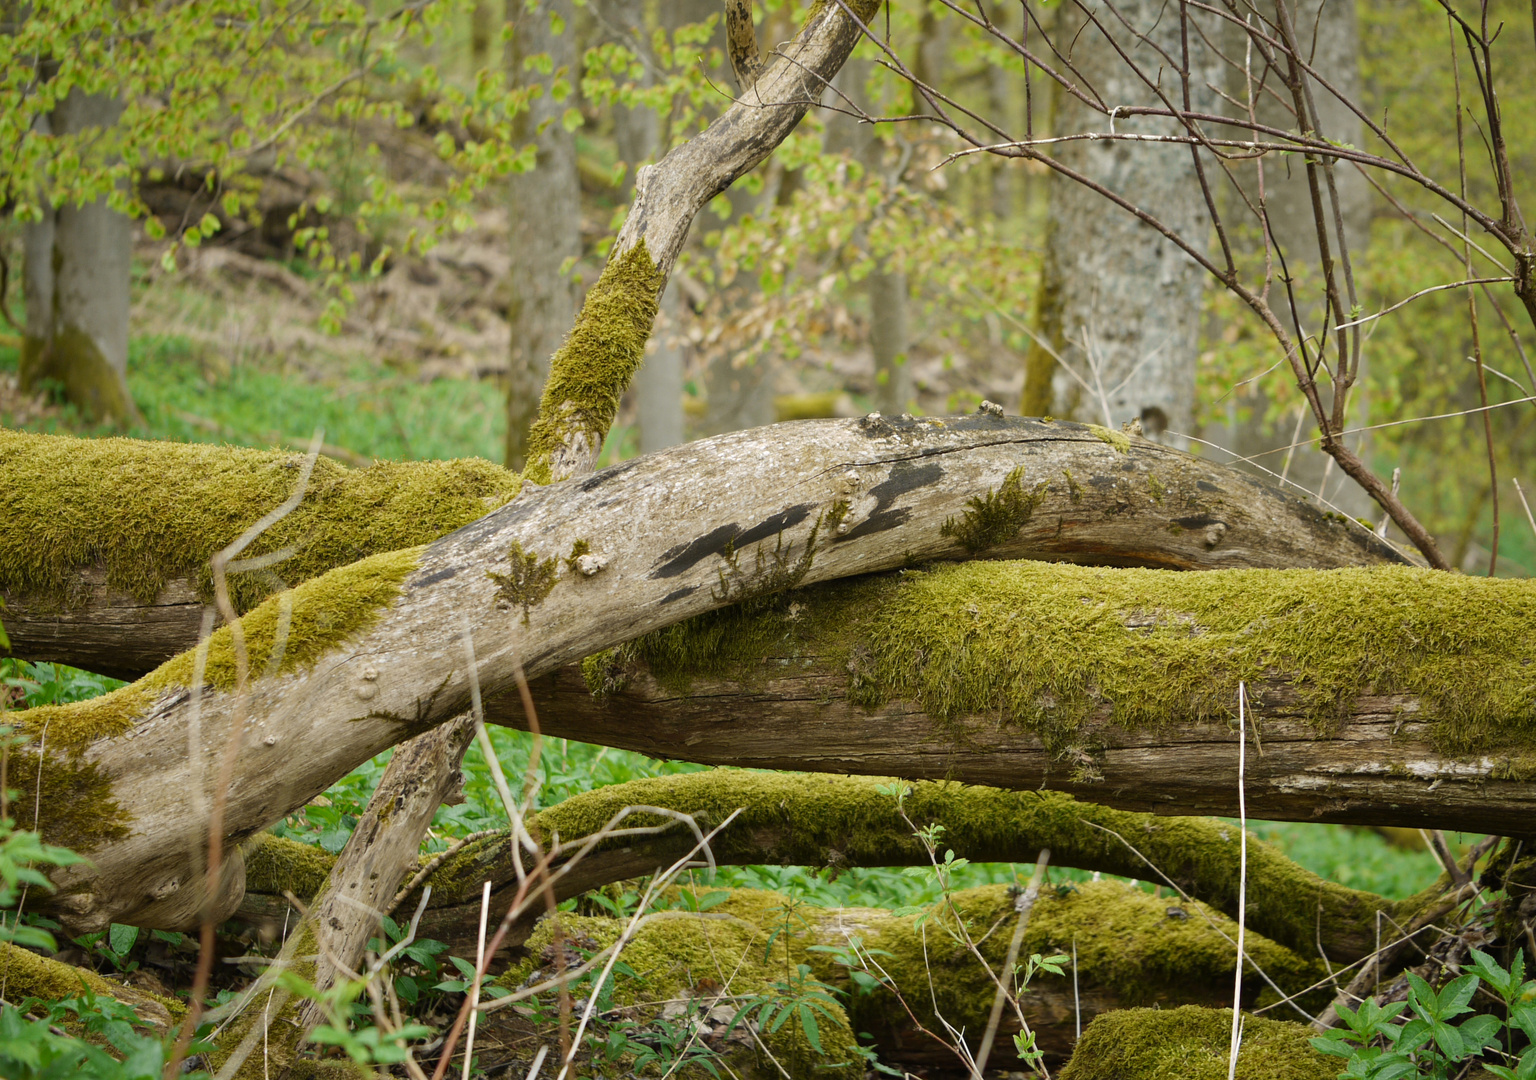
{"x": 121, "y": 938}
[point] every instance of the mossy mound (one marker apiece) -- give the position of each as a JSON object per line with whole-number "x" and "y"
{"x": 1049, "y": 646}
{"x": 148, "y": 512}
{"x": 714, "y": 956}
{"x": 1192, "y": 1043}
{"x": 1142, "y": 948}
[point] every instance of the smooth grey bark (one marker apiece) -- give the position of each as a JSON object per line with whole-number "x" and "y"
{"x": 545, "y": 217}
{"x": 885, "y": 287}
{"x": 888, "y": 340}
{"x": 1119, "y": 304}
{"x": 658, "y": 385}
{"x": 1330, "y": 37}
{"x": 76, "y": 285}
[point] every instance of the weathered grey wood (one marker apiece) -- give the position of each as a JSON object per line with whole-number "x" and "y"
{"x": 671, "y": 535}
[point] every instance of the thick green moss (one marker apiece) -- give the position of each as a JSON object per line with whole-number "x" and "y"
{"x": 1049, "y": 646}
{"x": 1142, "y": 948}
{"x": 1191, "y": 1043}
{"x": 590, "y": 371}
{"x": 274, "y": 865}
{"x": 148, "y": 512}
{"x": 320, "y": 614}
{"x": 678, "y": 954}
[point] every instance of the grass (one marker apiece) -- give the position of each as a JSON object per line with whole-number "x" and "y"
{"x": 370, "y": 412}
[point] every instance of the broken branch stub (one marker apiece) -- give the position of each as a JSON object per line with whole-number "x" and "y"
{"x": 593, "y": 368}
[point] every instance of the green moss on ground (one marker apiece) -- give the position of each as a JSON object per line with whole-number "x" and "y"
{"x": 148, "y": 512}
{"x": 288, "y": 632}
{"x": 591, "y": 370}
{"x": 721, "y": 954}
{"x": 1191, "y": 1043}
{"x": 1049, "y": 646}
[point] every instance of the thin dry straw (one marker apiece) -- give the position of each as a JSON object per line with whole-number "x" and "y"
{"x": 1242, "y": 882}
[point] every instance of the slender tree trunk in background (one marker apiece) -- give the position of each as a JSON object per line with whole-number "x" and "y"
{"x": 77, "y": 288}
{"x": 888, "y": 341}
{"x": 1329, "y": 34}
{"x": 658, "y": 385}
{"x": 1118, "y": 303}
{"x": 887, "y": 289}
{"x": 545, "y": 217}
{"x": 482, "y": 31}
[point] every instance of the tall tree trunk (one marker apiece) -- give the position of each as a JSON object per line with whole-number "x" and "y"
{"x": 658, "y": 385}
{"x": 886, "y": 287}
{"x": 76, "y": 284}
{"x": 545, "y": 216}
{"x": 1329, "y": 34}
{"x": 1119, "y": 304}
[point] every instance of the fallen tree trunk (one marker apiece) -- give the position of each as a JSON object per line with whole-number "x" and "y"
{"x": 1388, "y": 697}
{"x": 106, "y": 566}
{"x": 841, "y": 822}
{"x": 363, "y": 657}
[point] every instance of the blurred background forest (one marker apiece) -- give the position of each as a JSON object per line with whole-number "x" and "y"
{"x": 393, "y": 231}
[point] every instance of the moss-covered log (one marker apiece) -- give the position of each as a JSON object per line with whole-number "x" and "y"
{"x": 105, "y": 543}
{"x": 26, "y": 975}
{"x": 1132, "y": 949}
{"x": 842, "y": 822}
{"x": 1386, "y": 696}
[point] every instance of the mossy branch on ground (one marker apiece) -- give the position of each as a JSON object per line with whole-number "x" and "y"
{"x": 842, "y": 821}
{"x": 1050, "y": 646}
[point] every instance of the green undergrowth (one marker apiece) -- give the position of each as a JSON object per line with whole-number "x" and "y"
{"x": 1051, "y": 646}
{"x": 192, "y": 394}
{"x": 1191, "y": 1043}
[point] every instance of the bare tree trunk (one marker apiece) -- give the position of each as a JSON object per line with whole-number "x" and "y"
{"x": 76, "y": 284}
{"x": 658, "y": 385}
{"x": 545, "y": 216}
{"x": 1119, "y": 304}
{"x": 888, "y": 340}
{"x": 1330, "y": 38}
